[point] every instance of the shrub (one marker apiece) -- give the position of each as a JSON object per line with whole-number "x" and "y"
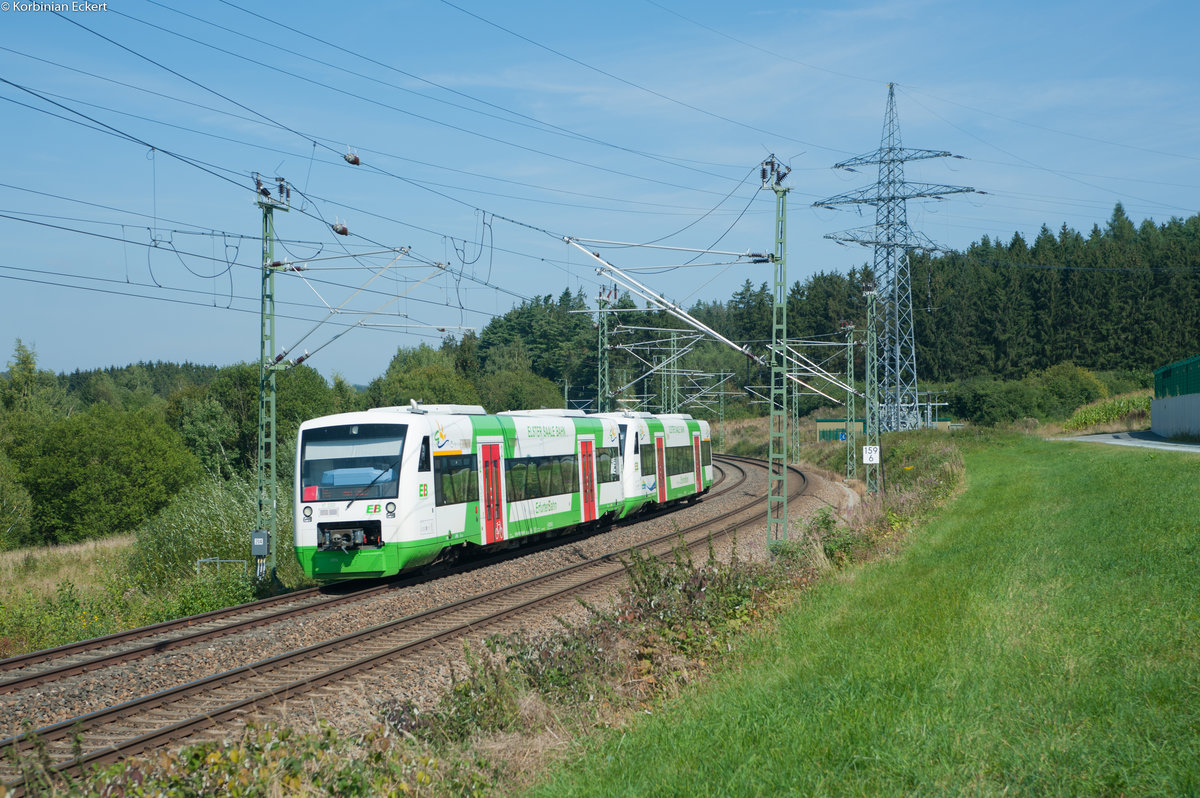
{"x": 104, "y": 471}
{"x": 1046, "y": 395}
{"x": 1065, "y": 387}
{"x": 485, "y": 699}
{"x": 211, "y": 519}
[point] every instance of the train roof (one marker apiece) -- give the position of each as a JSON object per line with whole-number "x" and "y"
{"x": 416, "y": 407}
{"x": 544, "y": 411}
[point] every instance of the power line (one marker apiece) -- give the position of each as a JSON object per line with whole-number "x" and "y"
{"x": 284, "y": 127}
{"x": 185, "y": 291}
{"x": 193, "y": 162}
{"x": 1023, "y": 160}
{"x": 535, "y": 123}
{"x": 759, "y": 48}
{"x": 209, "y": 168}
{"x": 630, "y": 83}
{"x": 348, "y": 93}
{"x": 327, "y": 144}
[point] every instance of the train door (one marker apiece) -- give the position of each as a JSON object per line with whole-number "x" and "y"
{"x": 698, "y": 464}
{"x": 492, "y": 496}
{"x": 660, "y": 462}
{"x": 587, "y": 461}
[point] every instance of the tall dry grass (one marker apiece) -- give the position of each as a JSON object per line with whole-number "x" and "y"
{"x": 40, "y": 570}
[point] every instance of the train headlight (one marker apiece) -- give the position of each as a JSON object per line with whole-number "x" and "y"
{"x": 391, "y": 507}
{"x": 307, "y": 513}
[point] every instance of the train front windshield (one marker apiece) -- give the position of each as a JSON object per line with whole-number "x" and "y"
{"x": 356, "y": 461}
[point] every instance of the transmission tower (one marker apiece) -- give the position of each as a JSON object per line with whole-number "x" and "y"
{"x": 893, "y": 240}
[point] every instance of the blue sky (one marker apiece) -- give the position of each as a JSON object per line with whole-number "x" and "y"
{"x": 487, "y": 131}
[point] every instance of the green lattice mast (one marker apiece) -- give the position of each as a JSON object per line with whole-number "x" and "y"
{"x": 851, "y": 406}
{"x": 268, "y": 487}
{"x": 773, "y": 174}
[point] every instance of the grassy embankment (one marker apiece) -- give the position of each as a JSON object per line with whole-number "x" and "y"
{"x": 1042, "y": 636}
{"x": 521, "y": 698}
{"x": 58, "y": 594}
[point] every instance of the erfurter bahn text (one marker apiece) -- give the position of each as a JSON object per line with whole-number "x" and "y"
{"x": 390, "y": 489}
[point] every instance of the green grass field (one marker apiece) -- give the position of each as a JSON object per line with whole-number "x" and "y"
{"x": 1041, "y": 637}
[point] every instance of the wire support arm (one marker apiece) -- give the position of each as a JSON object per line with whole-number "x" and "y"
{"x": 656, "y": 299}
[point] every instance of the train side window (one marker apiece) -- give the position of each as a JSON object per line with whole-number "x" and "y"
{"x": 423, "y": 463}
{"x": 456, "y": 479}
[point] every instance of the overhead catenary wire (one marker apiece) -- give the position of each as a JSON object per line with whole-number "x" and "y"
{"x": 121, "y": 134}
{"x": 512, "y": 115}
{"x": 630, "y": 83}
{"x": 342, "y": 91}
{"x": 467, "y": 243}
{"x": 327, "y": 144}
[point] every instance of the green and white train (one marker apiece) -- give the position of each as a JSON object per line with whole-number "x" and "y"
{"x": 391, "y": 489}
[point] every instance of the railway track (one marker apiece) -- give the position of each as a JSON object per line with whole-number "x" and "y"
{"x": 170, "y": 715}
{"x": 39, "y": 668}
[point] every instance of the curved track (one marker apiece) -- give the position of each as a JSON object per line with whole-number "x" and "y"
{"x": 39, "y": 668}
{"x": 112, "y": 733}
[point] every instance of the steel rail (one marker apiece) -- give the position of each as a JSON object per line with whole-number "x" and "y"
{"x": 73, "y": 667}
{"x": 275, "y": 679}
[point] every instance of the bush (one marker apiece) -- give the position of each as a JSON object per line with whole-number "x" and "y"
{"x": 15, "y": 507}
{"x": 211, "y": 519}
{"x": 1122, "y": 382}
{"x": 1045, "y": 395}
{"x": 103, "y": 472}
{"x": 1065, "y": 387}
{"x": 990, "y": 402}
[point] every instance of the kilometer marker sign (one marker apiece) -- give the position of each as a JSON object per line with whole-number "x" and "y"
{"x": 870, "y": 454}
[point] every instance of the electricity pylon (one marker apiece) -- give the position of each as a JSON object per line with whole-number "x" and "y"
{"x": 893, "y": 240}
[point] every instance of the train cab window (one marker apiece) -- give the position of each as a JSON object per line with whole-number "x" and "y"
{"x": 423, "y": 463}
{"x": 621, "y": 431}
{"x": 348, "y": 462}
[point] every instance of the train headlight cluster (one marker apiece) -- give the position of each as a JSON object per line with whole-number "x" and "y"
{"x": 308, "y": 513}
{"x": 391, "y": 509}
